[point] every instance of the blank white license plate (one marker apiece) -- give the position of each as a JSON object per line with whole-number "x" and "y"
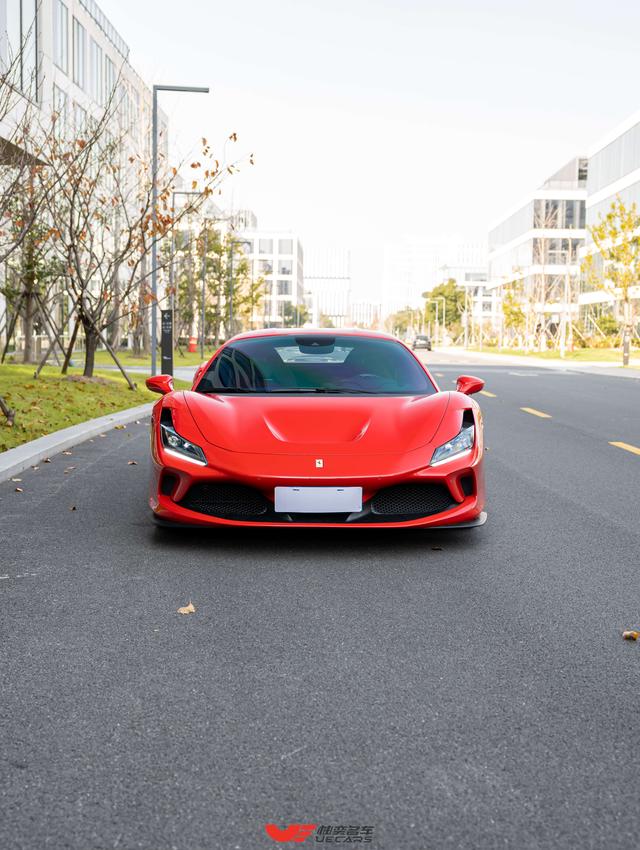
{"x": 318, "y": 500}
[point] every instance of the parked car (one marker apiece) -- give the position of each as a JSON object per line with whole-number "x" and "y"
{"x": 317, "y": 428}
{"x": 422, "y": 341}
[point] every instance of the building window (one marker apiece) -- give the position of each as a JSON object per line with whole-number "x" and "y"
{"x": 264, "y": 267}
{"x": 284, "y": 287}
{"x": 265, "y": 246}
{"x": 60, "y": 110}
{"x": 79, "y": 119}
{"x": 61, "y": 36}
{"x": 79, "y": 54}
{"x": 285, "y": 267}
{"x": 285, "y": 246}
{"x": 246, "y": 247}
{"x": 18, "y": 43}
{"x": 109, "y": 79}
{"x": 96, "y": 76}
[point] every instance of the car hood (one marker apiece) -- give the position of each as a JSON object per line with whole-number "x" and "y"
{"x": 338, "y": 424}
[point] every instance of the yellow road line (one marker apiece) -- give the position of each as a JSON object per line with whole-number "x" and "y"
{"x": 535, "y": 412}
{"x": 488, "y": 394}
{"x": 627, "y": 447}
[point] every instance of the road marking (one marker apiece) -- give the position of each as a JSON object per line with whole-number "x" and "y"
{"x": 535, "y": 412}
{"x": 438, "y": 374}
{"x": 488, "y": 394}
{"x": 627, "y": 447}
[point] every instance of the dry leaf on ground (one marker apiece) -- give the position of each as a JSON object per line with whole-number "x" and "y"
{"x": 630, "y": 634}
{"x": 67, "y": 453}
{"x": 132, "y": 463}
{"x": 16, "y": 479}
{"x": 188, "y": 609}
{"x": 73, "y": 508}
{"x": 19, "y": 490}
{"x": 120, "y": 427}
{"x": 47, "y": 460}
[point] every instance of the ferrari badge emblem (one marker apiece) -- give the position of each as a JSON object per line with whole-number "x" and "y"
{"x": 319, "y": 463}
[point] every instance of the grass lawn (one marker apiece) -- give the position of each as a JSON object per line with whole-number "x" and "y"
{"x": 103, "y": 358}
{"x": 51, "y": 401}
{"x": 599, "y": 355}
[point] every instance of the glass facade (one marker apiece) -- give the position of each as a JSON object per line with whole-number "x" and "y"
{"x": 96, "y": 71}
{"x": 106, "y": 26}
{"x": 615, "y": 160}
{"x": 79, "y": 54}
{"x": 19, "y": 43}
{"x": 61, "y": 35}
{"x": 109, "y": 78}
{"x": 60, "y": 109}
{"x": 628, "y": 196}
{"x": 517, "y": 224}
{"x": 564, "y": 214}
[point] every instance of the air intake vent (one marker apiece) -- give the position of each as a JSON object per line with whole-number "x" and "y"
{"x": 412, "y": 500}
{"x": 228, "y": 501}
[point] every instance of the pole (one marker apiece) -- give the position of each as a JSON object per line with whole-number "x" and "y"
{"x": 205, "y": 248}
{"x": 230, "y": 331}
{"x": 154, "y": 201}
{"x": 154, "y": 247}
{"x": 172, "y": 301}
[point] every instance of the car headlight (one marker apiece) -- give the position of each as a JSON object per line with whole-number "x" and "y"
{"x": 177, "y": 445}
{"x": 462, "y": 442}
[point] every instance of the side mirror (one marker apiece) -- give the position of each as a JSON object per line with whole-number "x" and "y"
{"x": 469, "y": 385}
{"x": 162, "y": 384}
{"x": 199, "y": 373}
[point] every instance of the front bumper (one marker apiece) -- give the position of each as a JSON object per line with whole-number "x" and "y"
{"x": 173, "y": 480}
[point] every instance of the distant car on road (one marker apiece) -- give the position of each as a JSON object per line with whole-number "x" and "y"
{"x": 422, "y": 341}
{"x": 317, "y": 428}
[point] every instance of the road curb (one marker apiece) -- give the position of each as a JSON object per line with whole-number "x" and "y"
{"x": 14, "y": 461}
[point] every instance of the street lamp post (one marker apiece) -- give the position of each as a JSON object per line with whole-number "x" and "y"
{"x": 203, "y": 306}
{"x": 154, "y": 201}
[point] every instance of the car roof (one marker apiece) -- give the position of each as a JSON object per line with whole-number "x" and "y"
{"x": 266, "y": 332}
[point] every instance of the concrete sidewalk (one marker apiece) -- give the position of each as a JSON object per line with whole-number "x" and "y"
{"x": 15, "y": 461}
{"x": 457, "y": 354}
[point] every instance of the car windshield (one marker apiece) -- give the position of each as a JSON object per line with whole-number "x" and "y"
{"x": 316, "y": 363}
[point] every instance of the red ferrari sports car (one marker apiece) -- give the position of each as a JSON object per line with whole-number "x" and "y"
{"x": 316, "y": 427}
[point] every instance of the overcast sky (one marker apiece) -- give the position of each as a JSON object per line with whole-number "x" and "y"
{"x": 371, "y": 119}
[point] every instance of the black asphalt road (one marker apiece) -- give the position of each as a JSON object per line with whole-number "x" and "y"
{"x": 451, "y": 690}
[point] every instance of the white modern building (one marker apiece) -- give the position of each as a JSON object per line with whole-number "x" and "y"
{"x": 71, "y": 61}
{"x": 365, "y": 314}
{"x": 414, "y": 265}
{"x": 277, "y": 257}
{"x": 534, "y": 251}
{"x": 614, "y": 172}
{"x": 328, "y": 279}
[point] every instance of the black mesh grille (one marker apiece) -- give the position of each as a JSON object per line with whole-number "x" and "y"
{"x": 412, "y": 500}
{"x": 226, "y": 500}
